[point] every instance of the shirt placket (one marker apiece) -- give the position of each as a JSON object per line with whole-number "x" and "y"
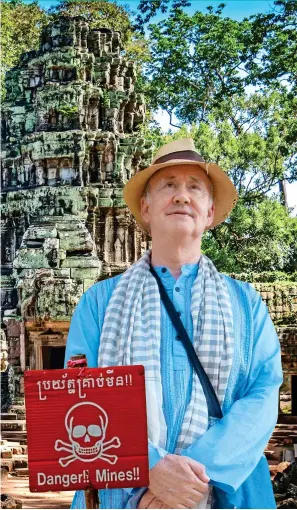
{"x": 179, "y": 301}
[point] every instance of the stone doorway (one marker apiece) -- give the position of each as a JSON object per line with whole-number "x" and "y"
{"x": 52, "y": 357}
{"x": 47, "y": 343}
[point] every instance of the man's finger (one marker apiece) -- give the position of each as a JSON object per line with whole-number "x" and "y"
{"x": 198, "y": 487}
{"x": 146, "y": 500}
{"x": 198, "y": 469}
{"x": 191, "y": 502}
{"x": 156, "y": 503}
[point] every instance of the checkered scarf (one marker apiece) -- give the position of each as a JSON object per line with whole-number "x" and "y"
{"x": 131, "y": 336}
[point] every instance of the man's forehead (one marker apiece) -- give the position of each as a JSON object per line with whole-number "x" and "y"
{"x": 193, "y": 177}
{"x": 193, "y": 173}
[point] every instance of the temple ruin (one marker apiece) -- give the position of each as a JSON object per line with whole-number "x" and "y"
{"x": 70, "y": 142}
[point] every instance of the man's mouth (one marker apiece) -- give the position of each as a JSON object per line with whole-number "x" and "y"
{"x": 180, "y": 213}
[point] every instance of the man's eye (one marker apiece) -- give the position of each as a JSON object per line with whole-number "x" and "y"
{"x": 169, "y": 184}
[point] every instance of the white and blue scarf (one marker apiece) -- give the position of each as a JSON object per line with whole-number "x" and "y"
{"x": 131, "y": 335}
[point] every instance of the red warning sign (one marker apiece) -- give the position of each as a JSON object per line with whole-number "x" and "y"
{"x": 86, "y": 426}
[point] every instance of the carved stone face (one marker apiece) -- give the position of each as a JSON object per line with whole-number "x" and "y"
{"x": 86, "y": 426}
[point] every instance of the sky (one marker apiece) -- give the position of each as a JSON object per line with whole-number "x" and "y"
{"x": 236, "y": 9}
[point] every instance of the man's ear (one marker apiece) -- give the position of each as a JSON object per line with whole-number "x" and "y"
{"x": 210, "y": 215}
{"x": 144, "y": 209}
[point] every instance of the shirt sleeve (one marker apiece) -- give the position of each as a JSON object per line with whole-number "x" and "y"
{"x": 84, "y": 332}
{"x": 233, "y": 446}
{"x": 135, "y": 497}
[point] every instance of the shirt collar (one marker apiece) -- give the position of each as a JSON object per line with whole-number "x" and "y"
{"x": 186, "y": 270}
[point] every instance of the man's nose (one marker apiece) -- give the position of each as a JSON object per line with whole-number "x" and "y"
{"x": 181, "y": 198}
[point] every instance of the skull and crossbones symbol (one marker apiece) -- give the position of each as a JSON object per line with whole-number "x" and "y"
{"x": 86, "y": 424}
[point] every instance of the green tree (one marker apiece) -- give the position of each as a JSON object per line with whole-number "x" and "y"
{"x": 256, "y": 238}
{"x": 196, "y": 62}
{"x": 212, "y": 71}
{"x": 100, "y": 14}
{"x": 255, "y": 158}
{"x": 276, "y": 34}
{"x": 21, "y": 24}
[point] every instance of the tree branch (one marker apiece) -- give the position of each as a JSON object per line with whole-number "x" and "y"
{"x": 170, "y": 120}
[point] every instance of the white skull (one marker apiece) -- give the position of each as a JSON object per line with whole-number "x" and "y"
{"x": 86, "y": 425}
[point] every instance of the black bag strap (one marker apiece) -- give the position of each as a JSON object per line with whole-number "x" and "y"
{"x": 214, "y": 408}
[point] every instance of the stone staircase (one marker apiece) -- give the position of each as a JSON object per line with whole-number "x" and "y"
{"x": 13, "y": 443}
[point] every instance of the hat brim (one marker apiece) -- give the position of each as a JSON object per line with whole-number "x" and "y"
{"x": 224, "y": 192}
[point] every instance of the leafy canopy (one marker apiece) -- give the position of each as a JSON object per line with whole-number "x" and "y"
{"x": 21, "y": 25}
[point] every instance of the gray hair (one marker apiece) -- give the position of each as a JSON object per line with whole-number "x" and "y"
{"x": 146, "y": 190}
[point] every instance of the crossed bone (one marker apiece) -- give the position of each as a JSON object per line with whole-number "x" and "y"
{"x": 64, "y": 461}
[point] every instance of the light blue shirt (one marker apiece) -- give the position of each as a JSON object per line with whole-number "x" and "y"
{"x": 230, "y": 449}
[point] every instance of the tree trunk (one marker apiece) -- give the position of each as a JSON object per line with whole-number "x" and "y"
{"x": 283, "y": 192}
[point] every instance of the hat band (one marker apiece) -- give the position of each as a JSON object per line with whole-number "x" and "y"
{"x": 190, "y": 155}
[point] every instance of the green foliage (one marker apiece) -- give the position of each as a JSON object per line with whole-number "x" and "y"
{"x": 148, "y": 9}
{"x": 252, "y": 159}
{"x": 210, "y": 70}
{"x": 231, "y": 85}
{"x": 67, "y": 109}
{"x": 196, "y": 62}
{"x": 276, "y": 34}
{"x": 100, "y": 14}
{"x": 256, "y": 238}
{"x": 106, "y": 98}
{"x": 21, "y": 24}
{"x": 265, "y": 277}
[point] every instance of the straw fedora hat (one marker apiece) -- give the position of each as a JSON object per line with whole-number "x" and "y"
{"x": 182, "y": 152}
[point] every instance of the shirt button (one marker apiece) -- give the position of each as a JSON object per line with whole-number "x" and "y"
{"x": 179, "y": 314}
{"x": 164, "y": 269}
{"x": 177, "y": 337}
{"x": 177, "y": 289}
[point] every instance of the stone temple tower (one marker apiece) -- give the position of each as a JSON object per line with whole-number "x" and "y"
{"x": 70, "y": 142}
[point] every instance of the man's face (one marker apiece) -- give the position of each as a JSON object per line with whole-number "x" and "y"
{"x": 179, "y": 202}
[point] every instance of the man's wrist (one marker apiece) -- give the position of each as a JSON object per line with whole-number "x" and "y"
{"x": 155, "y": 454}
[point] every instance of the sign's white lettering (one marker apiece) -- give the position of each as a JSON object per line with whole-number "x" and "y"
{"x": 106, "y": 475}
{"x": 104, "y": 380}
{"x": 64, "y": 480}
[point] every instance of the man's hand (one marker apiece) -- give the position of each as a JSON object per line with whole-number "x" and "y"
{"x": 148, "y": 500}
{"x": 178, "y": 482}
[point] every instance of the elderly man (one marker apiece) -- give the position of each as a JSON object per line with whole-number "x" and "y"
{"x": 196, "y": 459}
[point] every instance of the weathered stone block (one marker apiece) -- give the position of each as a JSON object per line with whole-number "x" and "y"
{"x": 37, "y": 232}
{"x": 88, "y": 273}
{"x": 88, "y": 283}
{"x": 81, "y": 261}
{"x": 61, "y": 273}
{"x": 31, "y": 258}
{"x": 74, "y": 241}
